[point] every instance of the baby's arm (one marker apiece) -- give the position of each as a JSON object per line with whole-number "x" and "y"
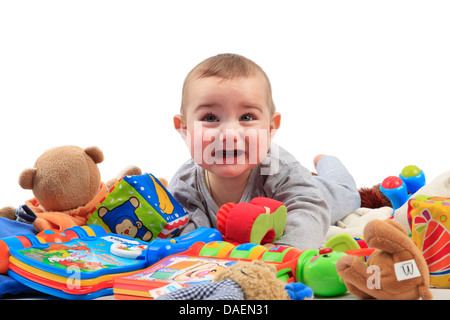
{"x": 308, "y": 216}
{"x": 182, "y": 188}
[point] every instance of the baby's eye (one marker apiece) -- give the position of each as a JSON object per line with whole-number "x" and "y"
{"x": 209, "y": 118}
{"x": 248, "y": 117}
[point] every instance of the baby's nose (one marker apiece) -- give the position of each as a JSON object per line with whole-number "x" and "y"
{"x": 230, "y": 134}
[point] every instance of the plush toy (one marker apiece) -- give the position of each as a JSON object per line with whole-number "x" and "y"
{"x": 374, "y": 206}
{"x": 354, "y": 223}
{"x": 396, "y": 270}
{"x": 373, "y": 198}
{"x": 261, "y": 221}
{"x": 66, "y": 184}
{"x": 254, "y": 280}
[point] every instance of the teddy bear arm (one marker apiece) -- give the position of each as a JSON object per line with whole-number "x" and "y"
{"x": 8, "y": 213}
{"x": 41, "y": 224}
{"x": 55, "y": 220}
{"x": 354, "y": 273}
{"x": 128, "y": 171}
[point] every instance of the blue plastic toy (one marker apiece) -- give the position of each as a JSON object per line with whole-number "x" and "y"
{"x": 299, "y": 291}
{"x": 83, "y": 266}
{"x": 399, "y": 189}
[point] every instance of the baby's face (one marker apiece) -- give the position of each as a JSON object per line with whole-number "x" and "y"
{"x": 228, "y": 124}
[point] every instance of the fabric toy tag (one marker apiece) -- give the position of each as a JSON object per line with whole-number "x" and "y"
{"x": 406, "y": 270}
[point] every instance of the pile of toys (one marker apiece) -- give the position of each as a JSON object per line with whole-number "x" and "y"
{"x": 120, "y": 241}
{"x": 88, "y": 262}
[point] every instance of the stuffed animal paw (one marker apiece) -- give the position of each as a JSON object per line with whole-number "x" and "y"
{"x": 8, "y": 213}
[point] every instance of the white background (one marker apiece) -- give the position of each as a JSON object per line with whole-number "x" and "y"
{"x": 367, "y": 81}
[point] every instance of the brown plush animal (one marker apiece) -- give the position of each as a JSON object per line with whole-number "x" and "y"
{"x": 396, "y": 270}
{"x": 373, "y": 198}
{"x": 66, "y": 183}
{"x": 257, "y": 279}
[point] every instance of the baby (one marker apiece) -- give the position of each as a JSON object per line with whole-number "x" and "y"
{"x": 228, "y": 121}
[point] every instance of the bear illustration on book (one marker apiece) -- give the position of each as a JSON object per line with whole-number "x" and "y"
{"x": 126, "y": 223}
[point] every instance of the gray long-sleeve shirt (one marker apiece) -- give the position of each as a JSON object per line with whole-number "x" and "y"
{"x": 281, "y": 177}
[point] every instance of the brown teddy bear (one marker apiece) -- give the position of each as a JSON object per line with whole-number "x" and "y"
{"x": 396, "y": 270}
{"x": 66, "y": 184}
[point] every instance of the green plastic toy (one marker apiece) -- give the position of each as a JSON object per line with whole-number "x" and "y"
{"x": 317, "y": 269}
{"x": 314, "y": 268}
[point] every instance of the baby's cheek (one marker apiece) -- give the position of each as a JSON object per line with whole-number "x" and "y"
{"x": 257, "y": 144}
{"x": 196, "y": 147}
{"x": 202, "y": 144}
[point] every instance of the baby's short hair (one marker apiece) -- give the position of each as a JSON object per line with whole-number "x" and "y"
{"x": 227, "y": 66}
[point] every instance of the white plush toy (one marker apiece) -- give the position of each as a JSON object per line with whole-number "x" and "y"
{"x": 354, "y": 223}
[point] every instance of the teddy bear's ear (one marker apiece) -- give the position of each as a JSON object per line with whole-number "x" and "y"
{"x": 95, "y": 153}
{"x": 26, "y": 178}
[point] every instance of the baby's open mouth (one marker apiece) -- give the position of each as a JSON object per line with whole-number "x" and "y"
{"x": 227, "y": 153}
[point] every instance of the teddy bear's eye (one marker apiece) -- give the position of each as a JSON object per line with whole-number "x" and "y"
{"x": 244, "y": 273}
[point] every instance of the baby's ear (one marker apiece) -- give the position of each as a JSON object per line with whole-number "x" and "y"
{"x": 26, "y": 178}
{"x": 95, "y": 153}
{"x": 275, "y": 124}
{"x": 180, "y": 125}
